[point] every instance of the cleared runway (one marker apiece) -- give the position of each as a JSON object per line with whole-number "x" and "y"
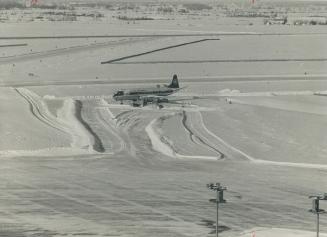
{"x": 203, "y": 79}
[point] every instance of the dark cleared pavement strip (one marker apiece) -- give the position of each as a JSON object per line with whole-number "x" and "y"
{"x": 156, "y": 50}
{"x": 12, "y": 45}
{"x": 163, "y": 80}
{"x": 222, "y": 61}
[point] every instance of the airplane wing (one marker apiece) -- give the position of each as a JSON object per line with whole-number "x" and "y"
{"x": 159, "y": 100}
{"x": 155, "y": 98}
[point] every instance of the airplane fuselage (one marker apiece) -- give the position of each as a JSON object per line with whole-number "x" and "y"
{"x": 142, "y": 96}
{"x": 135, "y": 95}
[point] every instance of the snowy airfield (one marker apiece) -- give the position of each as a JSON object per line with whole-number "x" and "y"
{"x": 76, "y": 163}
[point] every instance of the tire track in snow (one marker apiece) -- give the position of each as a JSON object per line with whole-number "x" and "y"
{"x": 108, "y": 121}
{"x": 132, "y": 125}
{"x": 230, "y": 151}
{"x": 198, "y": 137}
{"x": 66, "y": 121}
{"x": 38, "y": 109}
{"x": 122, "y": 196}
{"x": 215, "y": 141}
{"x": 243, "y": 155}
{"x": 125, "y": 122}
{"x": 160, "y": 145}
{"x": 98, "y": 117}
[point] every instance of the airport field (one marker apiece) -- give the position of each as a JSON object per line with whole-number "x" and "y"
{"x": 76, "y": 163}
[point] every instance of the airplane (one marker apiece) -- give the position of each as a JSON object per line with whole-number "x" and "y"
{"x": 143, "y": 96}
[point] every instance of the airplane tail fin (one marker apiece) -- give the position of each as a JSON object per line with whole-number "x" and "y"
{"x": 174, "y": 83}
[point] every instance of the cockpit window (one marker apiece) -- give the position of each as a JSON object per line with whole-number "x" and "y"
{"x": 119, "y": 93}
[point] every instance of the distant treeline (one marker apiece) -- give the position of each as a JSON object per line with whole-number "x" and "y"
{"x": 126, "y": 18}
{"x": 197, "y": 6}
{"x": 8, "y": 4}
{"x": 53, "y": 7}
{"x": 93, "y": 5}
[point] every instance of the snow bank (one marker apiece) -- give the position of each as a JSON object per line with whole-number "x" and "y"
{"x": 161, "y": 144}
{"x": 66, "y": 121}
{"x": 81, "y": 137}
{"x": 290, "y": 164}
{"x": 46, "y": 152}
{"x": 229, "y": 92}
{"x": 49, "y": 97}
{"x": 259, "y": 161}
{"x": 156, "y": 142}
{"x": 273, "y": 232}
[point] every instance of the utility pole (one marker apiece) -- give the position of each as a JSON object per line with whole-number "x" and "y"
{"x": 219, "y": 199}
{"x": 315, "y": 207}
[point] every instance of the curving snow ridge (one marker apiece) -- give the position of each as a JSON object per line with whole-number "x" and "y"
{"x": 264, "y": 162}
{"x": 273, "y": 232}
{"x": 237, "y": 93}
{"x": 81, "y": 137}
{"x": 67, "y": 122}
{"x": 46, "y": 152}
{"x": 156, "y": 142}
{"x": 163, "y": 147}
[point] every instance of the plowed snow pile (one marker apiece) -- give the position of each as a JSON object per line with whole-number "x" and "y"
{"x": 29, "y": 128}
{"x": 288, "y": 130}
{"x": 184, "y": 144}
{"x": 272, "y": 232}
{"x": 21, "y": 130}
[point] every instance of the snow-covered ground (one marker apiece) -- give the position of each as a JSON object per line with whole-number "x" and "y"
{"x": 22, "y": 130}
{"x": 267, "y": 232}
{"x": 79, "y": 60}
{"x": 270, "y": 132}
{"x": 98, "y": 168}
{"x": 41, "y": 132}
